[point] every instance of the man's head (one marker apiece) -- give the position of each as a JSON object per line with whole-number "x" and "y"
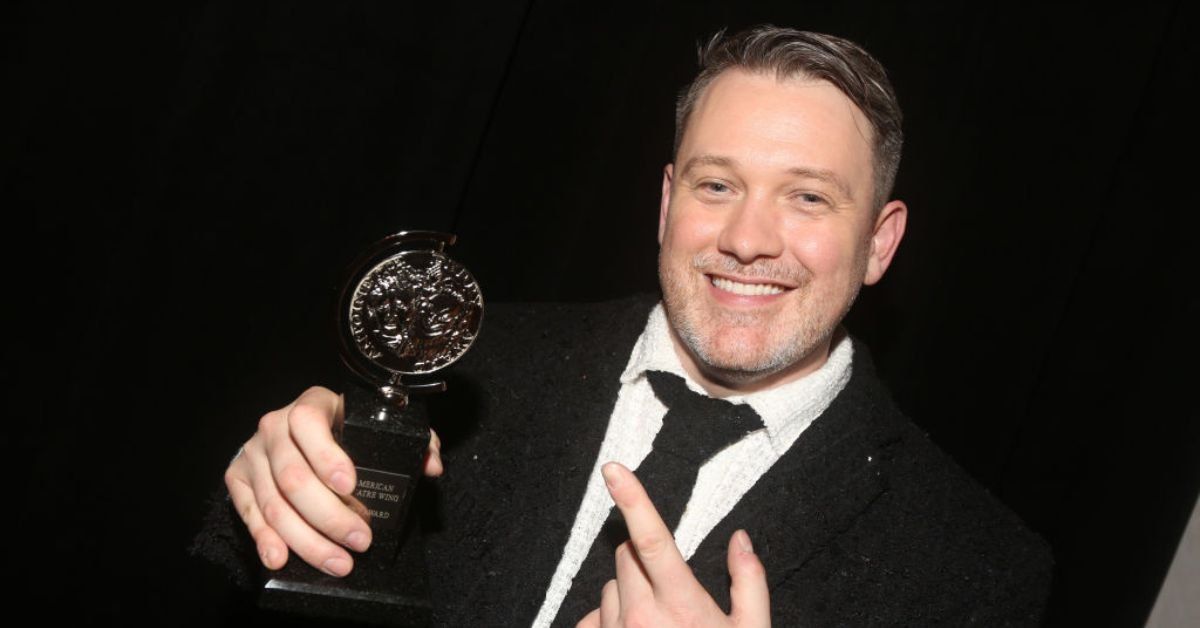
{"x": 789, "y": 54}
{"x": 772, "y": 215}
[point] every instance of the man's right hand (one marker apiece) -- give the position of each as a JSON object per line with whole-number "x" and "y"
{"x": 292, "y": 486}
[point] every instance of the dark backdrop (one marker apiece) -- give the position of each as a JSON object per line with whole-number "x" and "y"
{"x": 184, "y": 181}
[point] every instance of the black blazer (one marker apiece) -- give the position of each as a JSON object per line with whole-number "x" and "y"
{"x": 863, "y": 521}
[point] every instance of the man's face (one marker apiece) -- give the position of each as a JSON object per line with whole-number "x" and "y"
{"x": 767, "y": 230}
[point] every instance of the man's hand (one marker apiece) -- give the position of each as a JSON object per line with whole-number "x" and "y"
{"x": 292, "y": 486}
{"x": 654, "y": 585}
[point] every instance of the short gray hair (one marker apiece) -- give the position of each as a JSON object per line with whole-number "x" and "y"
{"x": 791, "y": 53}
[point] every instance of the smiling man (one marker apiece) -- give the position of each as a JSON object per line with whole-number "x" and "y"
{"x": 770, "y": 226}
{"x": 823, "y": 506}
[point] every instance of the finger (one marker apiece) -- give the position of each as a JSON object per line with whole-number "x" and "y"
{"x": 271, "y": 548}
{"x": 751, "y": 601}
{"x": 610, "y": 604}
{"x": 632, "y": 583}
{"x": 652, "y": 541}
{"x": 320, "y": 508}
{"x": 591, "y": 620}
{"x": 309, "y": 544}
{"x": 310, "y": 421}
{"x": 433, "y": 456}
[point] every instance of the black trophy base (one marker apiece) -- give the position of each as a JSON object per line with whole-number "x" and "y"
{"x": 388, "y": 585}
{"x": 380, "y": 590}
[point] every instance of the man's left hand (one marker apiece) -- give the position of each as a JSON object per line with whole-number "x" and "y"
{"x": 655, "y": 586}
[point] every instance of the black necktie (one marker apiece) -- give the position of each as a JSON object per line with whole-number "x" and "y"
{"x": 694, "y": 429}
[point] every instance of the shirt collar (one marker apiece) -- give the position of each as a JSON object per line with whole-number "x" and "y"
{"x": 785, "y": 410}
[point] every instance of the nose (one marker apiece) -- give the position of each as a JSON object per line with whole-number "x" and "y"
{"x": 751, "y": 232}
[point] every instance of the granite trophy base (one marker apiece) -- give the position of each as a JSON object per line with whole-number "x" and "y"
{"x": 388, "y": 585}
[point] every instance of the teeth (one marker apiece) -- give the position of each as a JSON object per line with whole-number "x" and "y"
{"x": 747, "y": 289}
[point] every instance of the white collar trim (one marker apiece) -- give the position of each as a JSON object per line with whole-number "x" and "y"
{"x": 785, "y": 410}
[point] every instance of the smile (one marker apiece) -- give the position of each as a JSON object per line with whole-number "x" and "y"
{"x": 746, "y": 289}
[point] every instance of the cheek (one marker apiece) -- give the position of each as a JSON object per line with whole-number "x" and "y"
{"x": 690, "y": 230}
{"x": 825, "y": 250}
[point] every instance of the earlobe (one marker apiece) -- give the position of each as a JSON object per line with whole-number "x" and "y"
{"x": 664, "y": 202}
{"x": 889, "y": 230}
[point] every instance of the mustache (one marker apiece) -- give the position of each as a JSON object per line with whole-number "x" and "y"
{"x": 761, "y": 269}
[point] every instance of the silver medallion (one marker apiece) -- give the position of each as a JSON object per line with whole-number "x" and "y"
{"x": 408, "y": 309}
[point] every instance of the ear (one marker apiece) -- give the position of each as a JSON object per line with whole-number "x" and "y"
{"x": 885, "y": 239}
{"x": 664, "y": 202}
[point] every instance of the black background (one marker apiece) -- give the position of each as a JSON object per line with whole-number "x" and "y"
{"x": 183, "y": 183}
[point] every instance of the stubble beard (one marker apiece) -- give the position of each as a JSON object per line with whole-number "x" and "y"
{"x": 720, "y": 340}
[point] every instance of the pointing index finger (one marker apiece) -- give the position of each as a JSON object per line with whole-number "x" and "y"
{"x": 651, "y": 540}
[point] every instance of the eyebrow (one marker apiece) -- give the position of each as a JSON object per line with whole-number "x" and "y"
{"x": 707, "y": 160}
{"x": 827, "y": 176}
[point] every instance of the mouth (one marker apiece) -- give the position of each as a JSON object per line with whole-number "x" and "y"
{"x": 746, "y": 288}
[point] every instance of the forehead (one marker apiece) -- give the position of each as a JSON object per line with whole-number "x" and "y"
{"x": 780, "y": 123}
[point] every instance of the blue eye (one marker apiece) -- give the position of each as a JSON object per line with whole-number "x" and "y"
{"x": 714, "y": 186}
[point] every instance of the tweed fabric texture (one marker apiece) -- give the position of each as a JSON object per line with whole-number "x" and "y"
{"x": 862, "y": 522}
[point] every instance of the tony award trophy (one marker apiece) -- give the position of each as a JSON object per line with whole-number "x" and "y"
{"x": 405, "y": 312}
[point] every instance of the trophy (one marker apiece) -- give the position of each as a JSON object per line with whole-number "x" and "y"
{"x": 404, "y": 312}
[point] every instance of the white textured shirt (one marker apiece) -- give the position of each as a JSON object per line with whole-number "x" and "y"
{"x": 721, "y": 481}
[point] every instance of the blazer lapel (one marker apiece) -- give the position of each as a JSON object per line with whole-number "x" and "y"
{"x": 831, "y": 474}
{"x": 556, "y": 420}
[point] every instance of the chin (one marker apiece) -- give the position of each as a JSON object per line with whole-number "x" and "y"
{"x": 739, "y": 354}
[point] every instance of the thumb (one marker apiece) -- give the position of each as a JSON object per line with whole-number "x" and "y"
{"x": 748, "y": 589}
{"x": 433, "y": 456}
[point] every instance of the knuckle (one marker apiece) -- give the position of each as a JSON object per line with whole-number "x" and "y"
{"x": 610, "y": 599}
{"x": 308, "y": 411}
{"x": 434, "y": 467}
{"x": 650, "y": 546}
{"x": 292, "y": 477}
{"x": 591, "y": 620}
{"x": 251, "y": 448}
{"x": 266, "y": 423}
{"x": 638, "y": 616}
{"x": 338, "y": 529}
{"x": 753, "y": 568}
{"x": 246, "y": 512}
{"x": 261, "y": 533}
{"x": 317, "y": 391}
{"x": 314, "y": 552}
{"x": 329, "y": 458}
{"x": 233, "y": 478}
{"x": 338, "y": 522}
{"x": 301, "y": 413}
{"x": 273, "y": 510}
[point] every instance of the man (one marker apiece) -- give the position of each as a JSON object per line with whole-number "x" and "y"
{"x": 773, "y": 215}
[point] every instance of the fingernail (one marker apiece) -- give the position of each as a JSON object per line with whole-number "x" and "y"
{"x": 611, "y": 475}
{"x": 341, "y": 482}
{"x": 268, "y": 556}
{"x": 336, "y": 567}
{"x": 357, "y": 541}
{"x": 744, "y": 542}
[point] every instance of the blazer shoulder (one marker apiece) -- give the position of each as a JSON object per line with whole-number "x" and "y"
{"x": 927, "y": 544}
{"x": 956, "y": 540}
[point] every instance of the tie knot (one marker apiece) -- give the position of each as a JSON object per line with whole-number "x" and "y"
{"x": 697, "y": 426}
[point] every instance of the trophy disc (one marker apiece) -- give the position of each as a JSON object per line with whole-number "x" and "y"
{"x": 412, "y": 311}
